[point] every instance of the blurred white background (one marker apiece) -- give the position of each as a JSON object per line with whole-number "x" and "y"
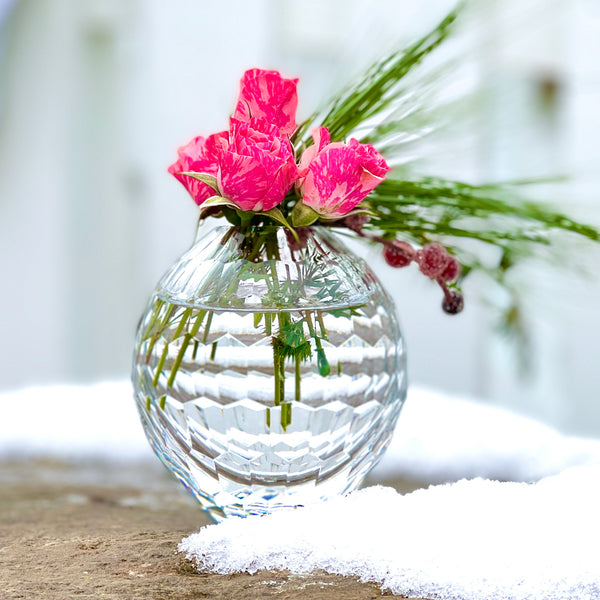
{"x": 96, "y": 96}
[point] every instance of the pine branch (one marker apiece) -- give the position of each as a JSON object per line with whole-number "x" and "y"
{"x": 376, "y": 90}
{"x": 431, "y": 207}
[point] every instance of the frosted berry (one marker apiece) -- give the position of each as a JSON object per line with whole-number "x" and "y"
{"x": 453, "y": 303}
{"x": 356, "y": 222}
{"x": 303, "y": 234}
{"x": 451, "y": 270}
{"x": 398, "y": 254}
{"x": 432, "y": 259}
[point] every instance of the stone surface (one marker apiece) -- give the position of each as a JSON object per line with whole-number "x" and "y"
{"x": 102, "y": 531}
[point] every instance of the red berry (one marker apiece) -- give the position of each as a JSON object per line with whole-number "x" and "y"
{"x": 454, "y": 304}
{"x": 451, "y": 271}
{"x": 303, "y": 234}
{"x": 356, "y": 222}
{"x": 398, "y": 254}
{"x": 432, "y": 259}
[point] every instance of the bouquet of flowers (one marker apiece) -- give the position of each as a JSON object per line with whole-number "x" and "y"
{"x": 267, "y": 168}
{"x": 252, "y": 174}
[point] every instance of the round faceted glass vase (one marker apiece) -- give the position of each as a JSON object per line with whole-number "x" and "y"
{"x": 269, "y": 371}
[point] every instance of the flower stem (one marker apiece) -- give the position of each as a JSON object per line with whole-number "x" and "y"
{"x": 163, "y": 326}
{"x": 182, "y": 323}
{"x": 322, "y": 363}
{"x": 279, "y": 373}
{"x": 155, "y": 313}
{"x": 207, "y": 328}
{"x": 298, "y": 378}
{"x": 286, "y": 415}
{"x": 179, "y": 359}
{"x": 160, "y": 365}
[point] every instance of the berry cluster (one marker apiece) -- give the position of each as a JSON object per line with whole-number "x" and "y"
{"x": 434, "y": 262}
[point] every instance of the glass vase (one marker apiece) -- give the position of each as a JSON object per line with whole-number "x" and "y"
{"x": 269, "y": 370}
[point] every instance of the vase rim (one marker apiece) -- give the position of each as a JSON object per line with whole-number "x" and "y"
{"x": 267, "y": 270}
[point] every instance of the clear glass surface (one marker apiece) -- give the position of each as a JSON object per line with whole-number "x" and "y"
{"x": 268, "y": 372}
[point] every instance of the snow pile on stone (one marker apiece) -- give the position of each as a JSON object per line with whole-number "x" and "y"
{"x": 72, "y": 422}
{"x": 440, "y": 438}
{"x": 464, "y": 541}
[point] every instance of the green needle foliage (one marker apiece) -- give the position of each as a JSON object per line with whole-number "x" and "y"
{"x": 425, "y": 209}
{"x": 378, "y": 90}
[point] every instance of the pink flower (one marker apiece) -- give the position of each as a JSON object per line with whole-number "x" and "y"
{"x": 200, "y": 156}
{"x": 257, "y": 168}
{"x": 336, "y": 177}
{"x": 268, "y": 96}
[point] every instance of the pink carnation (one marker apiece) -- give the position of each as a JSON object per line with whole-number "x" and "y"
{"x": 267, "y": 95}
{"x": 336, "y": 177}
{"x": 200, "y": 156}
{"x": 257, "y": 168}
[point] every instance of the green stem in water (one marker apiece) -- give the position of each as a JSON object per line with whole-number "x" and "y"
{"x": 196, "y": 326}
{"x": 160, "y": 365}
{"x": 298, "y": 378}
{"x": 322, "y": 363}
{"x": 163, "y": 326}
{"x": 155, "y": 313}
{"x": 286, "y": 415}
{"x": 182, "y": 323}
{"x": 279, "y": 373}
{"x": 268, "y": 322}
{"x": 321, "y": 325}
{"x": 179, "y": 359}
{"x": 207, "y": 328}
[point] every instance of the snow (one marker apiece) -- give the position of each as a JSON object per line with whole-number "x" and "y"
{"x": 473, "y": 538}
{"x": 438, "y": 438}
{"x": 463, "y": 541}
{"x": 72, "y": 422}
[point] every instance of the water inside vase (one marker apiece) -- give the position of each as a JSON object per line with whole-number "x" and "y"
{"x": 246, "y": 437}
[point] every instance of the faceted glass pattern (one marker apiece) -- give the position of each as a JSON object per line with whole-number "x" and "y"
{"x": 205, "y": 376}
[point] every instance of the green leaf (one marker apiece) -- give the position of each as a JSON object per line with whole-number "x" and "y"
{"x": 277, "y": 216}
{"x": 209, "y": 180}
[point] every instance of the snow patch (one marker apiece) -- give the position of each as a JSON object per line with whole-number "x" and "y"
{"x": 463, "y": 541}
{"x": 441, "y": 438}
{"x": 72, "y": 422}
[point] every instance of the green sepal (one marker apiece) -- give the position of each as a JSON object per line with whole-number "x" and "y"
{"x": 209, "y": 180}
{"x": 361, "y": 209}
{"x": 216, "y": 201}
{"x": 231, "y": 215}
{"x": 277, "y": 216}
{"x": 302, "y": 215}
{"x": 245, "y": 217}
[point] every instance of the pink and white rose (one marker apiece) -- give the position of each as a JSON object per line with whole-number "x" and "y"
{"x": 257, "y": 168}
{"x": 268, "y": 96}
{"x": 200, "y": 155}
{"x": 253, "y": 164}
{"x": 335, "y": 177}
